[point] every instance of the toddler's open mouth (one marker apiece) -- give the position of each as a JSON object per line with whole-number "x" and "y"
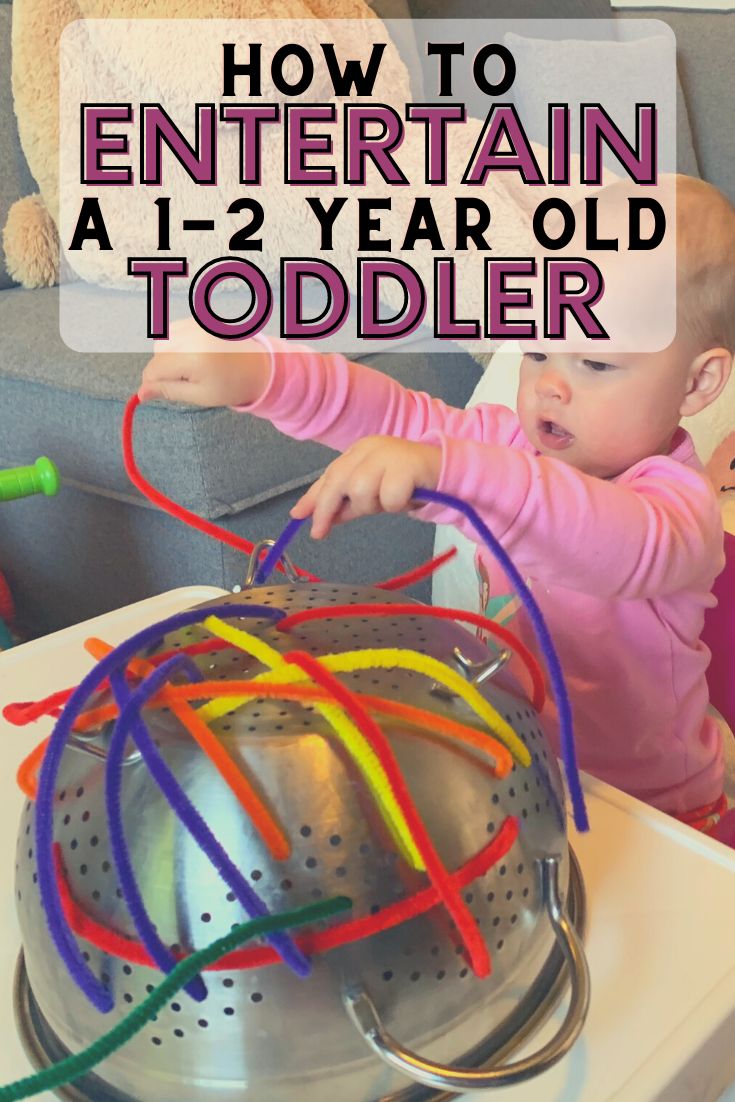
{"x": 552, "y": 435}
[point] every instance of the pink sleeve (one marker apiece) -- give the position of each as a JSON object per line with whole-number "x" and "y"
{"x": 655, "y": 531}
{"x": 311, "y": 396}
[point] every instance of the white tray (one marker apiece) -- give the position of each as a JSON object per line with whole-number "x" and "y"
{"x": 661, "y": 903}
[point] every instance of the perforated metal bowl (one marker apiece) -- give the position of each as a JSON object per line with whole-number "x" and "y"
{"x": 265, "y": 1033}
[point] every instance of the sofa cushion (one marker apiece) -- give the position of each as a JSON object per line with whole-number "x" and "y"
{"x": 704, "y": 49}
{"x": 69, "y": 405}
{"x": 563, "y": 69}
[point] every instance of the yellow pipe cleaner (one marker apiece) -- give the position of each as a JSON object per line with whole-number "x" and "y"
{"x": 372, "y": 658}
{"x": 351, "y": 736}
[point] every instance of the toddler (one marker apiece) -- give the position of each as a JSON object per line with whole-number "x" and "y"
{"x": 592, "y": 487}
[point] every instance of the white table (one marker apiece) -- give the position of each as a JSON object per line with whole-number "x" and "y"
{"x": 661, "y": 903}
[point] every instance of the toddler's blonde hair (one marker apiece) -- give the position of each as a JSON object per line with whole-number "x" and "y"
{"x": 705, "y": 263}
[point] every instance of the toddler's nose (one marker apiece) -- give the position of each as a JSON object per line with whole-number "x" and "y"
{"x": 551, "y": 383}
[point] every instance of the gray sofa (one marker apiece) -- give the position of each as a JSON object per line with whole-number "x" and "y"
{"x": 99, "y": 544}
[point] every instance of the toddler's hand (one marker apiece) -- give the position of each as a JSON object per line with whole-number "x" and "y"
{"x": 191, "y": 366}
{"x": 376, "y": 475}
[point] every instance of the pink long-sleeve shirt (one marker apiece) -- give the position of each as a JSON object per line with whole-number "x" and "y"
{"x": 621, "y": 568}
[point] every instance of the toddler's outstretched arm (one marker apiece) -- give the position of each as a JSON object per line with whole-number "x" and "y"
{"x": 191, "y": 367}
{"x": 307, "y": 395}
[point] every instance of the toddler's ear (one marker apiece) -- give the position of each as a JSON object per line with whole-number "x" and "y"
{"x": 708, "y": 376}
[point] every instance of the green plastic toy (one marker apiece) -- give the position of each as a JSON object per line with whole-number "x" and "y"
{"x": 40, "y": 478}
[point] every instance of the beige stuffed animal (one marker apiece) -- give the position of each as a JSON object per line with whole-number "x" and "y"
{"x": 31, "y": 237}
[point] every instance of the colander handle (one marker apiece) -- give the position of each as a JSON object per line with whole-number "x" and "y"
{"x": 363, "y": 1013}
{"x": 289, "y": 569}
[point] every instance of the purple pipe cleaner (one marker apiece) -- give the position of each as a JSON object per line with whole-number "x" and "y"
{"x": 61, "y": 935}
{"x": 130, "y": 722}
{"x": 269, "y": 562}
{"x": 568, "y": 749}
{"x": 116, "y": 830}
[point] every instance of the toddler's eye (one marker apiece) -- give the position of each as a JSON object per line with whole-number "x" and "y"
{"x": 598, "y": 365}
{"x": 534, "y": 357}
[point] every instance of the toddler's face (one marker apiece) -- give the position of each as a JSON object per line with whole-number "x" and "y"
{"x": 601, "y": 414}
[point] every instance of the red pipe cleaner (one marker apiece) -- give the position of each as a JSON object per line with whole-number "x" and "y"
{"x": 130, "y": 950}
{"x": 457, "y": 908}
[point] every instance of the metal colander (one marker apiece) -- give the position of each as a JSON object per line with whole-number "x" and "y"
{"x": 264, "y": 1033}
